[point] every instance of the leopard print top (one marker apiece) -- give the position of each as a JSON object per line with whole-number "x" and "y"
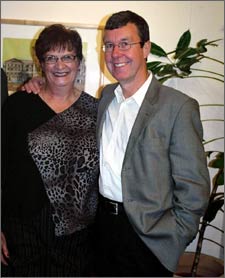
{"x": 65, "y": 152}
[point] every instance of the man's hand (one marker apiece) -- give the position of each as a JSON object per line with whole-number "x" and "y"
{"x": 34, "y": 85}
{"x": 5, "y": 251}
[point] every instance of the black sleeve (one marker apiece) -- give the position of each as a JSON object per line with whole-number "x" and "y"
{"x": 4, "y": 86}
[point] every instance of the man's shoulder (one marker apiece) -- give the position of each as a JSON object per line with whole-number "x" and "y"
{"x": 167, "y": 96}
{"x": 165, "y": 91}
{"x": 174, "y": 95}
{"x": 110, "y": 87}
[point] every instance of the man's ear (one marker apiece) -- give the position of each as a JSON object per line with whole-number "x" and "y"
{"x": 147, "y": 49}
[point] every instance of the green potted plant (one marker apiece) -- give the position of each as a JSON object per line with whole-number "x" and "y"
{"x": 180, "y": 63}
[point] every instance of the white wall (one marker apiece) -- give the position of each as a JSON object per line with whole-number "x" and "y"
{"x": 167, "y": 21}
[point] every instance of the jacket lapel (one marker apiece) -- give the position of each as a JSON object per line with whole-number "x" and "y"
{"x": 108, "y": 92}
{"x": 145, "y": 114}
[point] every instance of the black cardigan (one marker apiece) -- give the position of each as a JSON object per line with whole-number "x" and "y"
{"x": 21, "y": 113}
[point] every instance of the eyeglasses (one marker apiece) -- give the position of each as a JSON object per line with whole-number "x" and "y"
{"x": 51, "y": 59}
{"x": 123, "y": 46}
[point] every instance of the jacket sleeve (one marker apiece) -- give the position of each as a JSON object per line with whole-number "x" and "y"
{"x": 189, "y": 170}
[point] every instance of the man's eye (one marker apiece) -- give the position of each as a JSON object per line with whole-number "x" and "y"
{"x": 123, "y": 44}
{"x": 109, "y": 46}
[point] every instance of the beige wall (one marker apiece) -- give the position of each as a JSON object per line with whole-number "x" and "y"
{"x": 167, "y": 21}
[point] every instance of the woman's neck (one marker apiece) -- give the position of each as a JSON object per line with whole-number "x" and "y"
{"x": 59, "y": 100}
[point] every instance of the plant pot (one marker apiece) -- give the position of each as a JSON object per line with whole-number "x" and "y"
{"x": 209, "y": 266}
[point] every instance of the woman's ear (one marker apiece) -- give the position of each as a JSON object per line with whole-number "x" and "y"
{"x": 42, "y": 67}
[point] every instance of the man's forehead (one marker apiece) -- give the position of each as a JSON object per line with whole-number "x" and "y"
{"x": 121, "y": 34}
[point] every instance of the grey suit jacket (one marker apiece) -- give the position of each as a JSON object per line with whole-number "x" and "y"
{"x": 165, "y": 180}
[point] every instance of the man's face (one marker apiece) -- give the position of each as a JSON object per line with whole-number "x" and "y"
{"x": 129, "y": 65}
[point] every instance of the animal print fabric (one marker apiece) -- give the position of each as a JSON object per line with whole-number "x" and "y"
{"x": 65, "y": 152}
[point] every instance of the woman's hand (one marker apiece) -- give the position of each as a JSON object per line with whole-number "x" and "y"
{"x": 34, "y": 85}
{"x": 5, "y": 251}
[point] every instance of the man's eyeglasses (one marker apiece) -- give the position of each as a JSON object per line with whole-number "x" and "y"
{"x": 52, "y": 59}
{"x": 109, "y": 47}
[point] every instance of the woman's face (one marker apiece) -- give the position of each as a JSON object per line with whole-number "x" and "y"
{"x": 60, "y": 67}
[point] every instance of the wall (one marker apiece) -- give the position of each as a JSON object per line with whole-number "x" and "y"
{"x": 167, "y": 21}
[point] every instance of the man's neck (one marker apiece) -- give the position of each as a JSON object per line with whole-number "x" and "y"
{"x": 130, "y": 88}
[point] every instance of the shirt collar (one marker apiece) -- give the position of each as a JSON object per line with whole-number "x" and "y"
{"x": 138, "y": 96}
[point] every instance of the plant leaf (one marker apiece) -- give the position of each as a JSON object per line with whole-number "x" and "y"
{"x": 212, "y": 209}
{"x": 156, "y": 70}
{"x": 201, "y": 46}
{"x": 157, "y": 50}
{"x": 167, "y": 69}
{"x": 155, "y": 67}
{"x": 218, "y": 179}
{"x": 186, "y": 53}
{"x": 201, "y": 42}
{"x": 218, "y": 161}
{"x": 163, "y": 79}
{"x": 186, "y": 63}
{"x": 153, "y": 64}
{"x": 183, "y": 43}
{"x": 208, "y": 153}
{"x": 219, "y": 196}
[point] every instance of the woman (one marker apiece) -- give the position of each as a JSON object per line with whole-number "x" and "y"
{"x": 50, "y": 167}
{"x": 4, "y": 86}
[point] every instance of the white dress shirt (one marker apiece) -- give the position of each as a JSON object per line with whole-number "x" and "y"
{"x": 120, "y": 118}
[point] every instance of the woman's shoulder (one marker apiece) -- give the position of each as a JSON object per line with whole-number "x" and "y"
{"x": 20, "y": 96}
{"x": 20, "y": 100}
{"x": 89, "y": 101}
{"x": 89, "y": 97}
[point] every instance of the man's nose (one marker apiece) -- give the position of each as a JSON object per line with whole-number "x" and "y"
{"x": 116, "y": 50}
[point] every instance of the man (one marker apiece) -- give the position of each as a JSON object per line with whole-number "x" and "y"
{"x": 154, "y": 183}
